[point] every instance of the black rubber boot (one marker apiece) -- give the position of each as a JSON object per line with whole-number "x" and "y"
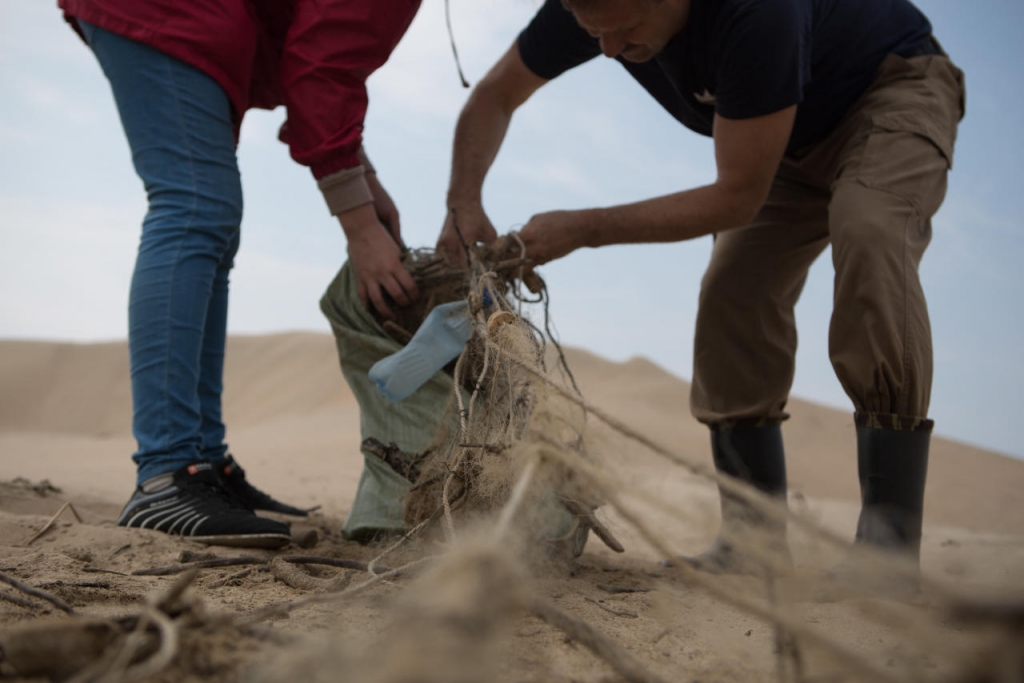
{"x": 892, "y": 466}
{"x": 753, "y": 455}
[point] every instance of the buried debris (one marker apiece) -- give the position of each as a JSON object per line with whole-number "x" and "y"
{"x": 91, "y": 649}
{"x": 217, "y": 562}
{"x": 59, "y": 648}
{"x": 53, "y": 520}
{"x": 36, "y": 593}
{"x": 404, "y": 464}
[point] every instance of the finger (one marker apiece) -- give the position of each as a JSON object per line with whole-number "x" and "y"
{"x": 395, "y": 290}
{"x": 389, "y": 221}
{"x": 396, "y": 235}
{"x": 408, "y": 284}
{"x": 534, "y": 254}
{"x": 378, "y": 302}
{"x": 490, "y": 234}
{"x": 454, "y": 257}
{"x": 362, "y": 292}
{"x": 451, "y": 251}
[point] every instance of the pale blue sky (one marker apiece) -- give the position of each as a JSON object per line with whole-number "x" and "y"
{"x": 70, "y": 204}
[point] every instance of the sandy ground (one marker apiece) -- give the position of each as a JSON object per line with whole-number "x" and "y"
{"x": 65, "y": 436}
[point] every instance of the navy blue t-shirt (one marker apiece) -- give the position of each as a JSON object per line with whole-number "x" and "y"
{"x": 747, "y": 58}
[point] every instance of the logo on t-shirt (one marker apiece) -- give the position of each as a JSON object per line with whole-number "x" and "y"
{"x": 704, "y": 97}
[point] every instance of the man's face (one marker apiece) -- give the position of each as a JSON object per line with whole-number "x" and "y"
{"x": 636, "y": 30}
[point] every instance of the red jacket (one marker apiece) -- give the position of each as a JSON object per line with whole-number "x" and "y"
{"x": 313, "y": 56}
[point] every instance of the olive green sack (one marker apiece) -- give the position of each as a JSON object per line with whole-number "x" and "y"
{"x": 411, "y": 424}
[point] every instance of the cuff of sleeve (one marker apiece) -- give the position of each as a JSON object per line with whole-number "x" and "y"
{"x": 365, "y": 161}
{"x": 345, "y": 189}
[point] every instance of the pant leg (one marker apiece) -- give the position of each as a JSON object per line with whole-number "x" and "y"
{"x": 745, "y": 342}
{"x": 891, "y": 183}
{"x": 211, "y": 373}
{"x": 179, "y": 126}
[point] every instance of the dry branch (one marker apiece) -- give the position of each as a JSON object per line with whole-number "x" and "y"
{"x": 283, "y": 608}
{"x": 595, "y": 525}
{"x": 621, "y": 589}
{"x": 335, "y": 562}
{"x": 49, "y": 524}
{"x": 202, "y": 564}
{"x": 611, "y": 610}
{"x": 288, "y": 573}
{"x": 89, "y": 569}
{"x": 228, "y": 579}
{"x": 624, "y": 664}
{"x": 36, "y": 593}
{"x": 57, "y": 648}
{"x": 20, "y": 601}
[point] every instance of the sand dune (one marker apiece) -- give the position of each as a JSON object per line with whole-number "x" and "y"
{"x": 68, "y": 389}
{"x": 294, "y": 425}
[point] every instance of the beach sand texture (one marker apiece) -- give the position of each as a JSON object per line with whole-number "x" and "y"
{"x": 293, "y": 424}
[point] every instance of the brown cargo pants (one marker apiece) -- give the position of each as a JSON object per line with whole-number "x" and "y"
{"x": 870, "y": 189}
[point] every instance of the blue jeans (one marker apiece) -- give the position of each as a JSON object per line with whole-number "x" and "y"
{"x": 179, "y": 126}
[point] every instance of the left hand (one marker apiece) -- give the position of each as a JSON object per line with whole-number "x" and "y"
{"x": 385, "y": 208}
{"x": 552, "y": 235}
{"x": 376, "y": 260}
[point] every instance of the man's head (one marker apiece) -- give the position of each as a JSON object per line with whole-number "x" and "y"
{"x": 636, "y": 30}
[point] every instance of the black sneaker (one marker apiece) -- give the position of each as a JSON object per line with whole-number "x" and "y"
{"x": 195, "y": 505}
{"x": 233, "y": 477}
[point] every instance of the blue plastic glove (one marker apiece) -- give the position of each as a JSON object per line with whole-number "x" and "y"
{"x": 440, "y": 338}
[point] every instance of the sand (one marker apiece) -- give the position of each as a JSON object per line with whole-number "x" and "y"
{"x": 292, "y": 423}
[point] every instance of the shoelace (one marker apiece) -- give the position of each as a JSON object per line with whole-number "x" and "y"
{"x": 210, "y": 488}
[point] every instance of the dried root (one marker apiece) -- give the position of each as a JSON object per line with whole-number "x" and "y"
{"x": 288, "y": 573}
{"x": 93, "y": 650}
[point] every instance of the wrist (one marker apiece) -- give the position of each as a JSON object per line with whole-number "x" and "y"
{"x": 586, "y": 227}
{"x": 463, "y": 198}
{"x": 358, "y": 222}
{"x": 345, "y": 190}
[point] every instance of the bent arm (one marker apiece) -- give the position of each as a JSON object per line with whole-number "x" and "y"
{"x": 330, "y": 50}
{"x": 479, "y": 133}
{"x": 484, "y": 120}
{"x": 747, "y": 152}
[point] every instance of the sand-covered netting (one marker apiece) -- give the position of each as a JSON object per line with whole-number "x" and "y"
{"x": 540, "y": 450}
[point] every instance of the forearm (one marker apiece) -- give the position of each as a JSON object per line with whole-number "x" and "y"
{"x": 747, "y": 152}
{"x": 360, "y": 223}
{"x": 669, "y": 218}
{"x": 479, "y": 133}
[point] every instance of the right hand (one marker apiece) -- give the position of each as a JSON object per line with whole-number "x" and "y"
{"x": 376, "y": 258}
{"x": 474, "y": 226}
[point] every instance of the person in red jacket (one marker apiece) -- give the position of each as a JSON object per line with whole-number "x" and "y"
{"x": 183, "y": 74}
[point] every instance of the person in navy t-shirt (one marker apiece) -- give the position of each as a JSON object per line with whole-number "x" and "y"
{"x": 834, "y": 123}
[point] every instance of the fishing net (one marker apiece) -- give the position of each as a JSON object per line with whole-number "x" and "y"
{"x": 506, "y": 473}
{"x": 450, "y": 452}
